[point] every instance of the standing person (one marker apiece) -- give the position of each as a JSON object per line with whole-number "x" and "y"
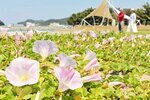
{"x": 121, "y": 20}
{"x": 132, "y": 22}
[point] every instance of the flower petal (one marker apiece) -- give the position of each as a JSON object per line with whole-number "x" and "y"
{"x": 93, "y": 34}
{"x": 90, "y": 55}
{"x": 91, "y": 78}
{"x": 66, "y": 61}
{"x": 44, "y": 48}
{"x": 68, "y": 78}
{"x": 92, "y": 64}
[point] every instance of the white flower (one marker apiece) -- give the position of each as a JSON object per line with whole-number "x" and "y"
{"x": 111, "y": 39}
{"x": 23, "y": 71}
{"x": 76, "y": 38}
{"x": 104, "y": 32}
{"x": 45, "y": 48}
{"x": 140, "y": 36}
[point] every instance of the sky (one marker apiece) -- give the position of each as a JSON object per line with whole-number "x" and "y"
{"x": 13, "y": 11}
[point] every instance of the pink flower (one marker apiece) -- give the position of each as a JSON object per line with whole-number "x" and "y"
{"x": 23, "y": 71}
{"x": 79, "y": 32}
{"x": 104, "y": 42}
{"x": 111, "y": 39}
{"x": 19, "y": 37}
{"x": 132, "y": 38}
{"x": 29, "y": 34}
{"x": 93, "y": 34}
{"x": 92, "y": 64}
{"x": 97, "y": 45}
{"x": 45, "y": 48}
{"x": 90, "y": 55}
{"x": 68, "y": 79}
{"x": 104, "y": 32}
{"x": 66, "y": 61}
{"x": 92, "y": 78}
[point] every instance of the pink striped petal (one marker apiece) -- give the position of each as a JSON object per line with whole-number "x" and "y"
{"x": 92, "y": 64}
{"x": 92, "y": 78}
{"x": 68, "y": 78}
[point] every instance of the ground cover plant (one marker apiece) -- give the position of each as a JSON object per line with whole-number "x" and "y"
{"x": 84, "y": 65}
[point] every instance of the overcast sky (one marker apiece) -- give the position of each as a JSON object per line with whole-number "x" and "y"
{"x": 13, "y": 11}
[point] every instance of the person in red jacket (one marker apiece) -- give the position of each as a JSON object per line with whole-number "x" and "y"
{"x": 121, "y": 20}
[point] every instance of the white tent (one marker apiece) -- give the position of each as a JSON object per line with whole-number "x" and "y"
{"x": 102, "y": 11}
{"x": 116, "y": 10}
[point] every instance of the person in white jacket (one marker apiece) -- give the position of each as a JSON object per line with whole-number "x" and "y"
{"x": 132, "y": 27}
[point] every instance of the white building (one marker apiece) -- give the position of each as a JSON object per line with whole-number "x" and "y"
{"x": 29, "y": 24}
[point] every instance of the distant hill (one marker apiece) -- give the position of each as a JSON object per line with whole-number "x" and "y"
{"x": 62, "y": 21}
{"x": 1, "y": 23}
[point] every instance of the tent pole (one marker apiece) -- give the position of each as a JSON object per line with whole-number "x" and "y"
{"x": 102, "y": 21}
{"x": 93, "y": 20}
{"x": 81, "y": 22}
{"x": 87, "y": 22}
{"x": 84, "y": 23}
{"x": 107, "y": 22}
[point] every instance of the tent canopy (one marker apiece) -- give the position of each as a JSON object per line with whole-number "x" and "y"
{"x": 104, "y": 12}
{"x": 101, "y": 11}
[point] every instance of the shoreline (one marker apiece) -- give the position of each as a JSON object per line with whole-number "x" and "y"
{"x": 56, "y": 29}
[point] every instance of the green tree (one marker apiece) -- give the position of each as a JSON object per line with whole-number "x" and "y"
{"x": 75, "y": 19}
{"x": 144, "y": 14}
